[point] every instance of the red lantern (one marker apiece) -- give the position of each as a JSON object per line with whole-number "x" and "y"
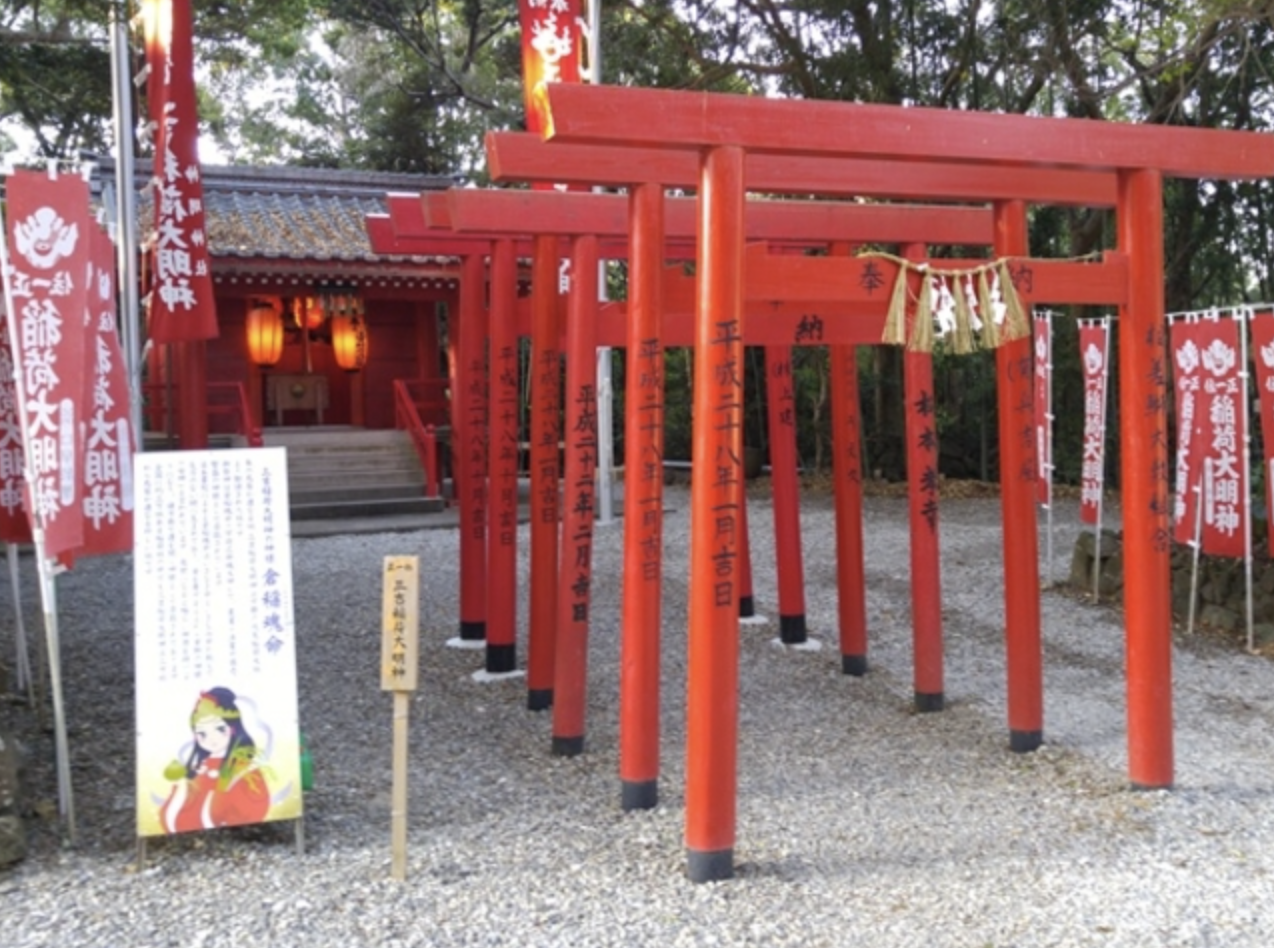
{"x": 349, "y": 342}
{"x": 307, "y": 313}
{"x": 264, "y": 334}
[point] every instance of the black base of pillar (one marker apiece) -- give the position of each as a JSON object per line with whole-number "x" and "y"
{"x": 747, "y": 607}
{"x": 502, "y": 658}
{"x": 792, "y": 629}
{"x": 928, "y": 703}
{"x": 1139, "y": 787}
{"x": 540, "y": 699}
{"x": 710, "y": 867}
{"x": 855, "y": 665}
{"x": 473, "y": 631}
{"x": 568, "y": 746}
{"x": 1023, "y": 742}
{"x": 639, "y": 794}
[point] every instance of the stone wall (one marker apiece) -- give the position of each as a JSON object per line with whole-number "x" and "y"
{"x": 1220, "y": 598}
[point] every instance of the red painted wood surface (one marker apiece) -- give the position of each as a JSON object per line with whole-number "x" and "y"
{"x": 847, "y": 475}
{"x": 1144, "y": 468}
{"x": 574, "y": 591}
{"x": 665, "y": 118}
{"x": 639, "y": 698}
{"x": 812, "y": 223}
{"x": 713, "y": 662}
{"x": 469, "y": 446}
{"x": 1015, "y": 399}
{"x": 921, "y": 431}
{"x": 868, "y": 279}
{"x": 785, "y": 493}
{"x": 502, "y": 464}
{"x": 518, "y": 156}
{"x": 546, "y": 372}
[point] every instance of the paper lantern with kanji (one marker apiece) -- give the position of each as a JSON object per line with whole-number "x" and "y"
{"x": 349, "y": 341}
{"x": 264, "y": 334}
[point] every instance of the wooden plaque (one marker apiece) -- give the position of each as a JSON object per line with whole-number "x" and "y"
{"x": 400, "y": 624}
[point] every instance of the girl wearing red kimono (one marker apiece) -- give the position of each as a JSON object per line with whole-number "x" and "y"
{"x": 221, "y": 783}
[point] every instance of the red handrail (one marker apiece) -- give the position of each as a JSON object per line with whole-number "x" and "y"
{"x": 238, "y": 409}
{"x": 407, "y": 417}
{"x": 232, "y": 403}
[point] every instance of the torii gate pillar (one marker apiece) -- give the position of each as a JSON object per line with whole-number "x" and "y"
{"x": 1144, "y": 479}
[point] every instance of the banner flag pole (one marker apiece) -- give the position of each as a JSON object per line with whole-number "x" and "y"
{"x": 25, "y": 680}
{"x": 1243, "y": 316}
{"x": 1101, "y": 473}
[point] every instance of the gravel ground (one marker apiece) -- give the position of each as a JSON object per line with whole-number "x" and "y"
{"x": 860, "y": 823}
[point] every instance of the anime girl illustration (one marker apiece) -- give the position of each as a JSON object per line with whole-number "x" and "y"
{"x": 223, "y": 780}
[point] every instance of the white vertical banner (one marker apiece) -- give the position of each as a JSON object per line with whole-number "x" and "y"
{"x": 218, "y": 742}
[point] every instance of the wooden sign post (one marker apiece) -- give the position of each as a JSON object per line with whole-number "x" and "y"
{"x": 399, "y": 658}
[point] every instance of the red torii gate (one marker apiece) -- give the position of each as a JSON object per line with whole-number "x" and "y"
{"x": 479, "y": 216}
{"x": 723, "y": 130}
{"x": 792, "y": 224}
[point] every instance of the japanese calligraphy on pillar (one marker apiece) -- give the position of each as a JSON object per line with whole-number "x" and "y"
{"x": 400, "y": 623}
{"x": 550, "y": 51}
{"x": 1263, "y": 350}
{"x": 1156, "y": 340}
{"x": 650, "y": 464}
{"x": 548, "y": 368}
{"x": 725, "y": 469}
{"x": 215, "y": 645}
{"x": 1094, "y": 336}
{"x": 1188, "y": 384}
{"x": 476, "y": 446}
{"x": 181, "y": 302}
{"x": 845, "y": 411}
{"x": 925, "y": 451}
{"x": 1043, "y": 407}
{"x": 504, "y": 531}
{"x": 47, "y": 285}
{"x": 578, "y": 548}
{"x": 108, "y": 448}
{"x": 1225, "y": 506}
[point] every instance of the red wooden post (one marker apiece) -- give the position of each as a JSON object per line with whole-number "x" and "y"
{"x": 1015, "y": 369}
{"x": 1144, "y": 477}
{"x": 502, "y": 459}
{"x": 785, "y": 492}
{"x": 192, "y": 394}
{"x": 712, "y": 707}
{"x": 851, "y": 585}
{"x": 643, "y": 501}
{"x": 921, "y": 432}
{"x": 469, "y": 446}
{"x": 576, "y": 572}
{"x": 545, "y": 376}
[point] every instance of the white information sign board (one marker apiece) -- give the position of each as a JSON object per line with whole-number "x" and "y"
{"x": 218, "y": 742}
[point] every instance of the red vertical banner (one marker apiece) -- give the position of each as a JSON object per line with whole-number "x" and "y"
{"x": 181, "y": 306}
{"x": 1043, "y": 332}
{"x": 47, "y": 283}
{"x": 1224, "y": 438}
{"x": 108, "y": 440}
{"x": 550, "y": 52}
{"x": 1187, "y": 384}
{"x": 14, "y": 525}
{"x": 1263, "y": 355}
{"x": 1094, "y": 340}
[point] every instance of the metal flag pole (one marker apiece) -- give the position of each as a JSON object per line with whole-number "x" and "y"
{"x": 26, "y": 681}
{"x": 605, "y": 384}
{"x": 1243, "y": 316}
{"x": 1048, "y": 438}
{"x": 126, "y": 213}
{"x": 1101, "y": 471}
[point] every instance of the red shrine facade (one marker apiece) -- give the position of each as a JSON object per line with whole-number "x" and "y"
{"x": 293, "y": 241}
